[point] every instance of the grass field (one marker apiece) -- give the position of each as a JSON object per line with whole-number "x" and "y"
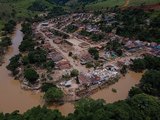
{"x": 145, "y": 2}
{"x": 105, "y": 4}
{"x": 20, "y": 6}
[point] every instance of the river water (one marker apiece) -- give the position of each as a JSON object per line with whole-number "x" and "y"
{"x": 122, "y": 86}
{"x": 12, "y": 97}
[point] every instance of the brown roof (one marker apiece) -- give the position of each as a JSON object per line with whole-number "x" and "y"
{"x": 63, "y": 65}
{"x": 95, "y": 79}
{"x": 55, "y": 56}
{"x": 84, "y": 79}
{"x": 86, "y": 57}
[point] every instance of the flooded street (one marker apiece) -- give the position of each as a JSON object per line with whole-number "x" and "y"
{"x": 12, "y": 97}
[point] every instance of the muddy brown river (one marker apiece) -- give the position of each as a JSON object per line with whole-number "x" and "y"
{"x": 122, "y": 86}
{"x": 12, "y": 97}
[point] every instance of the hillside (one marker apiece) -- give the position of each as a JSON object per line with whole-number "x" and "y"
{"x": 100, "y": 4}
{"x": 142, "y": 2}
{"x": 105, "y": 4}
{"x": 19, "y": 9}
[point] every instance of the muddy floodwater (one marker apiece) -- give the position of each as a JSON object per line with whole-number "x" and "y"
{"x": 122, "y": 87}
{"x": 12, "y": 97}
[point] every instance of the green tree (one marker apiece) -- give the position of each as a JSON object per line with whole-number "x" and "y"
{"x": 9, "y": 26}
{"x": 74, "y": 73}
{"x": 42, "y": 113}
{"x": 115, "y": 46}
{"x": 5, "y": 42}
{"x": 71, "y": 28}
{"x": 150, "y": 82}
{"x": 37, "y": 56}
{"x": 26, "y": 45}
{"x": 49, "y": 65}
{"x": 14, "y": 64}
{"x": 25, "y": 60}
{"x": 46, "y": 86}
{"x": 138, "y": 65}
{"x": 134, "y": 91}
{"x": 97, "y": 37}
{"x": 31, "y": 75}
{"x": 123, "y": 70}
{"x": 144, "y": 107}
{"x": 94, "y": 52}
{"x": 53, "y": 95}
{"x": 26, "y": 28}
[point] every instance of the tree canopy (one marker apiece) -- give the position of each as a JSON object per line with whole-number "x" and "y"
{"x": 14, "y": 64}
{"x": 5, "y": 42}
{"x": 31, "y": 75}
{"x": 148, "y": 62}
{"x": 150, "y": 82}
{"x": 94, "y": 52}
{"x": 53, "y": 94}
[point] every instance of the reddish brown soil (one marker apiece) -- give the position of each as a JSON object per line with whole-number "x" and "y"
{"x": 147, "y": 7}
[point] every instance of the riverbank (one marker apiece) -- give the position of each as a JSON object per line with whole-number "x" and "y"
{"x": 12, "y": 96}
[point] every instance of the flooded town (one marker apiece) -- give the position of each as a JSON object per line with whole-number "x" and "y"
{"x": 77, "y": 72}
{"x": 71, "y": 52}
{"x": 70, "y": 61}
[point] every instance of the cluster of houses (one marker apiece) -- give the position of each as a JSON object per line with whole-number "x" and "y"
{"x": 99, "y": 76}
{"x": 96, "y": 77}
{"x": 60, "y": 61}
{"x": 150, "y": 48}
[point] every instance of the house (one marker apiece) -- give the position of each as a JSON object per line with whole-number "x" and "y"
{"x": 68, "y": 83}
{"x": 99, "y": 47}
{"x": 112, "y": 68}
{"x": 39, "y": 36}
{"x": 83, "y": 79}
{"x": 55, "y": 56}
{"x": 138, "y": 43}
{"x": 95, "y": 79}
{"x": 157, "y": 47}
{"x": 45, "y": 23}
{"x": 108, "y": 55}
{"x": 46, "y": 46}
{"x": 153, "y": 44}
{"x": 85, "y": 58}
{"x": 57, "y": 41}
{"x": 63, "y": 65}
{"x": 130, "y": 45}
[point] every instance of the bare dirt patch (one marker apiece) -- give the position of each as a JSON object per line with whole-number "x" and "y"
{"x": 147, "y": 7}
